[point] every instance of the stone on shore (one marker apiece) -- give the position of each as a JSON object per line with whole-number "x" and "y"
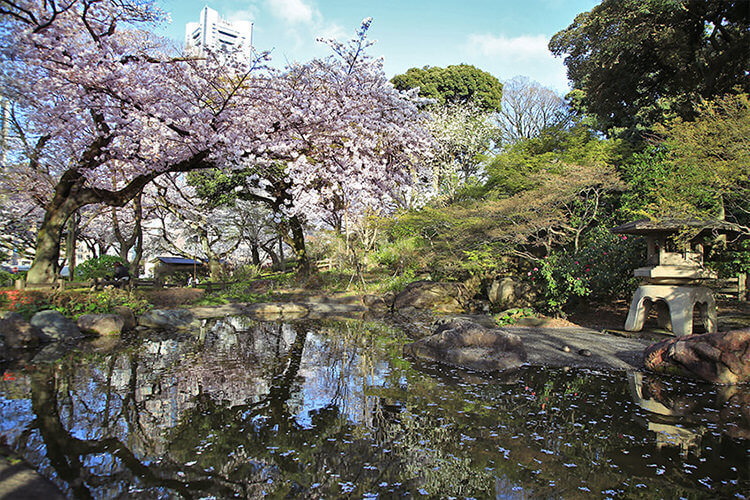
{"x": 167, "y": 319}
{"x": 101, "y": 324}
{"x": 444, "y": 297}
{"x": 16, "y": 332}
{"x": 128, "y": 317}
{"x": 56, "y": 326}
{"x": 469, "y": 345}
{"x": 719, "y": 358}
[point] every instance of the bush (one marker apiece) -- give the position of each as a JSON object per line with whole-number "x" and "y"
{"x": 99, "y": 267}
{"x": 246, "y": 272}
{"x": 6, "y": 278}
{"x": 601, "y": 271}
{"x": 731, "y": 262}
{"x": 400, "y": 254}
{"x": 237, "y": 292}
{"x": 75, "y": 304}
{"x": 24, "y": 302}
{"x": 71, "y": 303}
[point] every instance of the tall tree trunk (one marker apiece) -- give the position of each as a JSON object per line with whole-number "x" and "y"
{"x": 72, "y": 194}
{"x": 45, "y": 267}
{"x": 214, "y": 267}
{"x": 298, "y": 244}
{"x": 255, "y": 252}
{"x": 70, "y": 245}
{"x": 268, "y": 248}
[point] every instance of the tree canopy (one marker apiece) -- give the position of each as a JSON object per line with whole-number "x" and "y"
{"x": 457, "y": 84}
{"x": 640, "y": 62}
{"x": 101, "y": 108}
{"x": 701, "y": 169}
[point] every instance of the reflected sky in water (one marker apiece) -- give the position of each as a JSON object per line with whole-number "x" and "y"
{"x": 325, "y": 409}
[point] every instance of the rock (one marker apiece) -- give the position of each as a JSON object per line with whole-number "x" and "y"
{"x": 584, "y": 352}
{"x": 374, "y": 301}
{"x": 56, "y": 326}
{"x": 17, "y": 332}
{"x": 52, "y": 352}
{"x": 502, "y": 292}
{"x": 178, "y": 319}
{"x": 480, "y": 319}
{"x": 278, "y": 309}
{"x": 101, "y": 324}
{"x": 129, "y": 320}
{"x": 469, "y": 345}
{"x": 438, "y": 296}
{"x": 719, "y": 358}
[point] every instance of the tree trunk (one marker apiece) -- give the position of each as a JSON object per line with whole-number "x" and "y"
{"x": 255, "y": 252}
{"x": 70, "y": 245}
{"x": 45, "y": 268}
{"x": 214, "y": 268}
{"x": 268, "y": 248}
{"x": 298, "y": 244}
{"x": 72, "y": 194}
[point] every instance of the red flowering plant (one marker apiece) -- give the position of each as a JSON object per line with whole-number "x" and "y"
{"x": 601, "y": 270}
{"x": 23, "y": 302}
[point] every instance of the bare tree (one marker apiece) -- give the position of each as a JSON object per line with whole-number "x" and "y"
{"x": 528, "y": 109}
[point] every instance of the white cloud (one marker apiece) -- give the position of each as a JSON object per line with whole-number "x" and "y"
{"x": 526, "y": 55}
{"x": 333, "y": 31}
{"x": 520, "y": 48}
{"x": 293, "y": 11}
{"x": 249, "y": 14}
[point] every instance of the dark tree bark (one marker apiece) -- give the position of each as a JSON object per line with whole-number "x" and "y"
{"x": 71, "y": 193}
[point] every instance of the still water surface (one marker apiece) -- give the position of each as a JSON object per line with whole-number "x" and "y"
{"x": 331, "y": 409}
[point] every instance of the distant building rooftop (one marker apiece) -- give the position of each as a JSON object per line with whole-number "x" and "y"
{"x": 179, "y": 260}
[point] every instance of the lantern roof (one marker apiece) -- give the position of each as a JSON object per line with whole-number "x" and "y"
{"x": 705, "y": 227}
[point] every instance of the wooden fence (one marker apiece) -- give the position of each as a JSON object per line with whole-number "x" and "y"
{"x": 735, "y": 288}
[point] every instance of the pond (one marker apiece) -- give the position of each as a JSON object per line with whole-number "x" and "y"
{"x": 331, "y": 408}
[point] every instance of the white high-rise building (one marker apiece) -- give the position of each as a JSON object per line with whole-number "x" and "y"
{"x": 219, "y": 34}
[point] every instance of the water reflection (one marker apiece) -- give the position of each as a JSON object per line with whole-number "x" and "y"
{"x": 331, "y": 408}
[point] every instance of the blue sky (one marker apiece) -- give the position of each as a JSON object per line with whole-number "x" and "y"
{"x": 504, "y": 37}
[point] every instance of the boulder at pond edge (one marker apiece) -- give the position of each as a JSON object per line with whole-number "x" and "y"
{"x": 166, "y": 319}
{"x": 719, "y": 358}
{"x": 469, "y": 345}
{"x": 101, "y": 324}
{"x": 15, "y": 331}
{"x": 446, "y": 297}
{"x": 56, "y": 326}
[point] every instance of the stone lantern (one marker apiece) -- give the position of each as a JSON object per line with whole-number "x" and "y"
{"x": 672, "y": 276}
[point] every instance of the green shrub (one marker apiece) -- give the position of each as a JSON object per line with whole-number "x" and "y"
{"x": 398, "y": 282}
{"x": 733, "y": 261}
{"x": 6, "y": 278}
{"x": 74, "y": 304}
{"x": 246, "y": 272}
{"x": 99, "y": 267}
{"x": 237, "y": 292}
{"x": 602, "y": 270}
{"x": 24, "y": 302}
{"x": 511, "y": 316}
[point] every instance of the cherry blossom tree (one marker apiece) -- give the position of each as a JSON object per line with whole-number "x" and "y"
{"x": 103, "y": 109}
{"x": 464, "y": 136}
